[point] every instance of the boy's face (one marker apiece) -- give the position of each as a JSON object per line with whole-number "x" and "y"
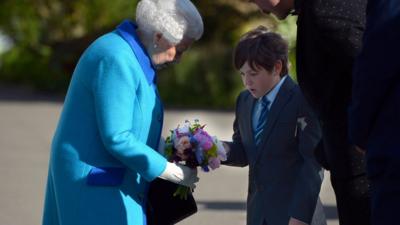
{"x": 280, "y": 8}
{"x": 259, "y": 81}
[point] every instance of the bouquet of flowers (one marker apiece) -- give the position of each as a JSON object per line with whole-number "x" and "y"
{"x": 192, "y": 145}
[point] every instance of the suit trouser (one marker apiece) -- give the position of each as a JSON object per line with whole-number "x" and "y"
{"x": 385, "y": 191}
{"x": 348, "y": 174}
{"x": 353, "y": 205}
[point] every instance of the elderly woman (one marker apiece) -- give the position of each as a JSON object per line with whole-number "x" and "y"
{"x": 103, "y": 151}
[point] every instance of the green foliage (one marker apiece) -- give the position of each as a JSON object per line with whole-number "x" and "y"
{"x": 23, "y": 65}
{"x": 206, "y": 76}
{"x": 50, "y": 35}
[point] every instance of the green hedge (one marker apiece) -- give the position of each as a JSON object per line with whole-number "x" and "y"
{"x": 49, "y": 36}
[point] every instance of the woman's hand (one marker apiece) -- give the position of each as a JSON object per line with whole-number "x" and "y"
{"x": 180, "y": 174}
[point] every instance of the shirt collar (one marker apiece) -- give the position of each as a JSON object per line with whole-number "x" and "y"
{"x": 271, "y": 95}
{"x": 127, "y": 30}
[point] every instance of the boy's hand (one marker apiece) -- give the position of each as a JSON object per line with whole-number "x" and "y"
{"x": 226, "y": 146}
{"x": 294, "y": 221}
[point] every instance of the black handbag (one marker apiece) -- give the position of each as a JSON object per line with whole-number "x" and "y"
{"x": 163, "y": 208}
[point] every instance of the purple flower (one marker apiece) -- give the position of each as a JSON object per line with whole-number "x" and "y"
{"x": 214, "y": 163}
{"x": 204, "y": 140}
{"x": 205, "y": 168}
{"x": 199, "y": 155}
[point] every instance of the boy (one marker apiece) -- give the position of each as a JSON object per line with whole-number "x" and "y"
{"x": 275, "y": 133}
{"x": 329, "y": 38}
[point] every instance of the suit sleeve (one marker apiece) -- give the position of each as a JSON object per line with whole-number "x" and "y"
{"x": 114, "y": 93}
{"x": 377, "y": 68}
{"x": 308, "y": 182}
{"x": 236, "y": 155}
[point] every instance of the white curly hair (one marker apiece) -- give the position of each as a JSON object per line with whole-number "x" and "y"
{"x": 174, "y": 19}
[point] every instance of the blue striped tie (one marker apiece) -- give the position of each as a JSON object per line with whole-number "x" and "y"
{"x": 262, "y": 120}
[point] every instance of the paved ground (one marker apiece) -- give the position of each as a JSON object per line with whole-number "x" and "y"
{"x": 26, "y": 128}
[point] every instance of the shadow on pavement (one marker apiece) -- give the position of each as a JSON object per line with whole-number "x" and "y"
{"x": 223, "y": 205}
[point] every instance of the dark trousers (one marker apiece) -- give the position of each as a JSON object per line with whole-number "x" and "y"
{"x": 348, "y": 173}
{"x": 385, "y": 191}
{"x": 352, "y": 200}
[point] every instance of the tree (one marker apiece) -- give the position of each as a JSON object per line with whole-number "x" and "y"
{"x": 50, "y": 35}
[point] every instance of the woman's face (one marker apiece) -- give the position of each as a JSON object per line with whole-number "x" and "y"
{"x": 165, "y": 53}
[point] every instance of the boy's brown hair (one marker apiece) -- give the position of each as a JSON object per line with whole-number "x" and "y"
{"x": 261, "y": 48}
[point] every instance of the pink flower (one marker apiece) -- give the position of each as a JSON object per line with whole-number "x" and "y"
{"x": 214, "y": 163}
{"x": 181, "y": 145}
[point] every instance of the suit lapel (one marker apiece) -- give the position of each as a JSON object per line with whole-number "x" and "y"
{"x": 284, "y": 95}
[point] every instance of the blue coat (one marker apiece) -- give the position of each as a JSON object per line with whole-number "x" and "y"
{"x": 102, "y": 157}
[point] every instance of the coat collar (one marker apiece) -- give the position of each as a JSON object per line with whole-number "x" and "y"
{"x": 127, "y": 30}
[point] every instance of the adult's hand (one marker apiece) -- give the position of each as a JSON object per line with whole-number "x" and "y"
{"x": 180, "y": 174}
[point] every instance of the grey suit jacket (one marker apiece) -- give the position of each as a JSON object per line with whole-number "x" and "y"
{"x": 284, "y": 176}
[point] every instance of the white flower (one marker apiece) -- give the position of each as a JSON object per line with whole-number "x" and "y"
{"x": 184, "y": 129}
{"x": 220, "y": 149}
{"x": 302, "y": 122}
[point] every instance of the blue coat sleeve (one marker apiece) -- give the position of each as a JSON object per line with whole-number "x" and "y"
{"x": 114, "y": 92}
{"x": 376, "y": 69}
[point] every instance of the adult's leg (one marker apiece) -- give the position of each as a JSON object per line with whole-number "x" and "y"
{"x": 348, "y": 174}
{"x": 352, "y": 200}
